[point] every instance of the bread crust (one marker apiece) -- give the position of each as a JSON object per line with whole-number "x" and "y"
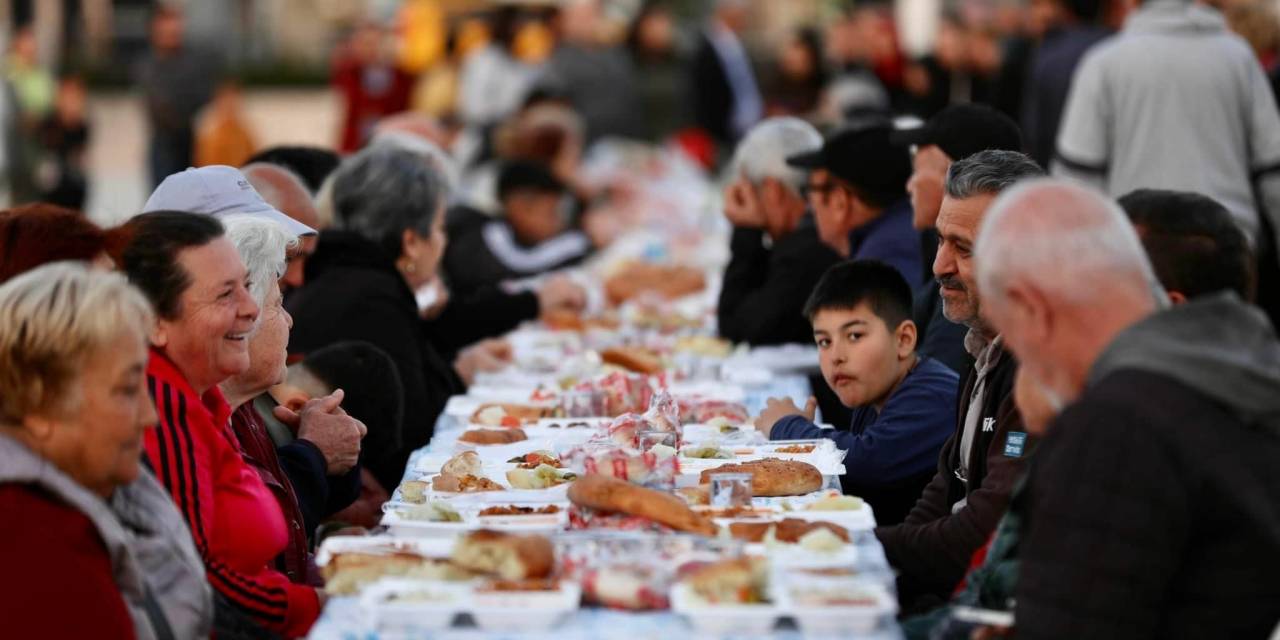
{"x": 493, "y": 436}
{"x": 772, "y": 477}
{"x": 634, "y": 359}
{"x": 510, "y": 556}
{"x": 604, "y": 493}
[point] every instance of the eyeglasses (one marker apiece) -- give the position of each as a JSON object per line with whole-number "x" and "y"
{"x": 810, "y": 190}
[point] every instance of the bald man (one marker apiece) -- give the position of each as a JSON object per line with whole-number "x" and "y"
{"x": 284, "y": 190}
{"x": 1150, "y": 511}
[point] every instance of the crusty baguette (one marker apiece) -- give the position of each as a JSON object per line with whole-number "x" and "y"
{"x": 788, "y": 530}
{"x": 773, "y": 477}
{"x": 506, "y": 555}
{"x": 493, "y": 436}
{"x": 635, "y": 359}
{"x": 605, "y": 493}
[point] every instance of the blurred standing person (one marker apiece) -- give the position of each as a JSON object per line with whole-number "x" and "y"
{"x": 61, "y": 172}
{"x": 1070, "y": 28}
{"x": 176, "y": 82}
{"x": 726, "y": 98}
{"x": 1256, "y": 21}
{"x": 1175, "y": 101}
{"x": 595, "y": 75}
{"x": 659, "y": 66}
{"x": 223, "y": 136}
{"x": 495, "y": 81}
{"x": 801, "y": 76}
{"x": 32, "y": 95}
{"x": 371, "y": 85}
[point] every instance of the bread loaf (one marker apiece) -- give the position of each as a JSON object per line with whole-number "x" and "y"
{"x": 493, "y": 436}
{"x": 604, "y": 493}
{"x": 773, "y": 477}
{"x": 634, "y": 359}
{"x": 505, "y": 555}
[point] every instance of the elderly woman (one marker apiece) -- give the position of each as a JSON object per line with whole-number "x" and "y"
{"x": 389, "y": 206}
{"x": 83, "y": 520}
{"x": 303, "y": 490}
{"x": 199, "y": 288}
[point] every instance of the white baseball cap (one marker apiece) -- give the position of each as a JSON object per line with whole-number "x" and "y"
{"x": 218, "y": 190}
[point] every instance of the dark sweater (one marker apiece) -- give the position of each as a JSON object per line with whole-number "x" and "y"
{"x": 892, "y": 454}
{"x": 1154, "y": 515}
{"x": 354, "y": 292}
{"x": 765, "y": 288}
{"x": 484, "y": 251}
{"x": 931, "y": 549}
{"x": 891, "y": 239}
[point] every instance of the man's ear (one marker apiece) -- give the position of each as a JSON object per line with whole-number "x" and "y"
{"x": 1176, "y": 297}
{"x": 410, "y": 244}
{"x": 905, "y": 338}
{"x": 159, "y": 337}
{"x": 1032, "y": 311}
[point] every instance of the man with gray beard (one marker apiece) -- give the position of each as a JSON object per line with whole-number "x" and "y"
{"x": 985, "y": 456}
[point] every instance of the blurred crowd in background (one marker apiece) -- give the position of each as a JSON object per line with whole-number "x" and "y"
{"x": 696, "y": 74}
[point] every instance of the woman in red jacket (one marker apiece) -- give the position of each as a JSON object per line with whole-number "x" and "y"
{"x": 197, "y": 284}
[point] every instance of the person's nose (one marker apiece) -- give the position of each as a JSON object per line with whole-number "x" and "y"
{"x": 944, "y": 263}
{"x": 248, "y": 306}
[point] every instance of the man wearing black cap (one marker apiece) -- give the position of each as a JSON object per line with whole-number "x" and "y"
{"x": 856, "y": 187}
{"x": 954, "y": 133}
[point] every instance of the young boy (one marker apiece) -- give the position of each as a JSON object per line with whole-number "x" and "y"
{"x": 904, "y": 405}
{"x": 533, "y": 236}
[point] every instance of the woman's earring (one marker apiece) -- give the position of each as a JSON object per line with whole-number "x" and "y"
{"x": 409, "y": 267}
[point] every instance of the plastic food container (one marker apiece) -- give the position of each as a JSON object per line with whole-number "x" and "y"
{"x": 406, "y": 605}
{"x": 723, "y": 619}
{"x": 845, "y": 606}
{"x": 524, "y": 611}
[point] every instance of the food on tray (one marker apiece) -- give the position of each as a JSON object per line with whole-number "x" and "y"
{"x": 702, "y": 411}
{"x": 827, "y": 572}
{"x": 449, "y": 483}
{"x": 623, "y": 392}
{"x": 699, "y": 495}
{"x": 735, "y": 512}
{"x": 508, "y": 586}
{"x": 541, "y": 477}
{"x": 414, "y": 491}
{"x": 637, "y": 359}
{"x": 569, "y": 425}
{"x": 466, "y": 463}
{"x": 790, "y": 530}
{"x": 635, "y": 278}
{"x": 496, "y": 414}
{"x": 706, "y": 452}
{"x": 773, "y": 477}
{"x": 612, "y": 495}
{"x": 734, "y": 581}
{"x": 434, "y": 511}
{"x": 493, "y": 436}
{"x": 633, "y": 586}
{"x": 505, "y": 555}
{"x": 655, "y": 467}
{"x": 535, "y": 459}
{"x": 836, "y": 503}
{"x": 347, "y": 573}
{"x": 514, "y": 510}
{"x": 823, "y": 540}
{"x": 562, "y": 320}
{"x": 796, "y": 448}
{"x": 708, "y": 346}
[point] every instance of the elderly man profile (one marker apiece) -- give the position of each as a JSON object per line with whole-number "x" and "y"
{"x": 986, "y": 454}
{"x": 777, "y": 257}
{"x": 1152, "y": 500}
{"x": 284, "y": 190}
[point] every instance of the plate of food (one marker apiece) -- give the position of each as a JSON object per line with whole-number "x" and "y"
{"x": 403, "y": 605}
{"x": 836, "y": 604}
{"x": 350, "y": 563}
{"x": 730, "y": 596}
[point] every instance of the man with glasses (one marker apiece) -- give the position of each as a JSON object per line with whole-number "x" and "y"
{"x": 857, "y": 190}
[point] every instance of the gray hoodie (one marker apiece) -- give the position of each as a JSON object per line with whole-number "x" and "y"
{"x": 1217, "y": 345}
{"x": 144, "y": 534}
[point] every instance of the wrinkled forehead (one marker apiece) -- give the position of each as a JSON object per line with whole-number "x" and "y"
{"x": 960, "y": 217}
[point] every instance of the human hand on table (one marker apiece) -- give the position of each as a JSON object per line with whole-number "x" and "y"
{"x": 779, "y": 408}
{"x": 560, "y": 293}
{"x": 322, "y": 422}
{"x": 483, "y": 356}
{"x": 742, "y": 205}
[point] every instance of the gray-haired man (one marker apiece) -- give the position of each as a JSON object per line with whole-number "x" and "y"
{"x": 777, "y": 256}
{"x": 984, "y": 457}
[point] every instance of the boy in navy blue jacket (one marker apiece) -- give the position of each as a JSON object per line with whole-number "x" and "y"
{"x": 904, "y": 405}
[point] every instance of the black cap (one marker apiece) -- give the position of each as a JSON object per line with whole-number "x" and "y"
{"x": 864, "y": 158}
{"x": 524, "y": 175}
{"x": 962, "y": 130}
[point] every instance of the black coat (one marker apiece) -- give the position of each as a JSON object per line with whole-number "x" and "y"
{"x": 711, "y": 93}
{"x": 354, "y": 292}
{"x": 765, "y": 289}
{"x": 1155, "y": 513}
{"x": 931, "y": 549}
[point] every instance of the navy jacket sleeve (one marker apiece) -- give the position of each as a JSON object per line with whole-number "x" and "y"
{"x": 306, "y": 468}
{"x": 900, "y": 442}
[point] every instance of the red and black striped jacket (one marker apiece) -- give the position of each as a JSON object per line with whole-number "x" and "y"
{"x": 235, "y": 520}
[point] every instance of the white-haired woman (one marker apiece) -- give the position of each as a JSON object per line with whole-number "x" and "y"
{"x": 91, "y": 543}
{"x": 328, "y": 442}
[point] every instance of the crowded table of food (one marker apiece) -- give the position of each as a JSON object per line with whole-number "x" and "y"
{"x": 610, "y": 480}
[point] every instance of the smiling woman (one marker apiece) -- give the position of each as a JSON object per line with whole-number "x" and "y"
{"x": 200, "y": 289}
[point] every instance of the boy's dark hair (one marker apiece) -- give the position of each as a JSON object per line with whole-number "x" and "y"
{"x": 1192, "y": 241}
{"x": 523, "y": 175}
{"x": 848, "y": 284}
